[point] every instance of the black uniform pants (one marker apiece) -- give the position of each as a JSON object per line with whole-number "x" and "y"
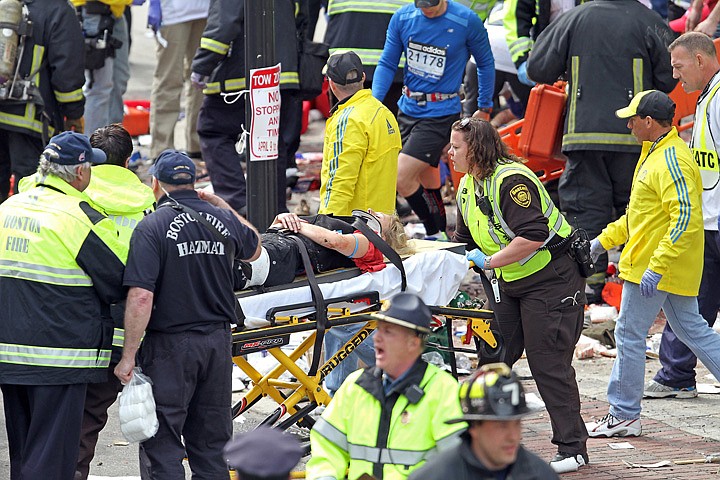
{"x": 43, "y": 429}
{"x": 219, "y": 126}
{"x": 191, "y": 374}
{"x": 543, "y": 314}
{"x": 19, "y": 155}
{"x": 98, "y": 399}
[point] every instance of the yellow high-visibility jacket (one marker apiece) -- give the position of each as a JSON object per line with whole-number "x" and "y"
{"x": 663, "y": 227}
{"x": 359, "y": 169}
{"x": 385, "y": 436}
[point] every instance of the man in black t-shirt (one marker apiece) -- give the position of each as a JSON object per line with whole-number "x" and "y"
{"x": 179, "y": 274}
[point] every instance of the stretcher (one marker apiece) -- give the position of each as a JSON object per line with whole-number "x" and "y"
{"x": 348, "y": 297}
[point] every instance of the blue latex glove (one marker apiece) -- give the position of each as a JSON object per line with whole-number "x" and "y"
{"x": 154, "y": 15}
{"x": 477, "y": 257}
{"x": 649, "y": 283}
{"x": 523, "y": 76}
{"x": 596, "y": 249}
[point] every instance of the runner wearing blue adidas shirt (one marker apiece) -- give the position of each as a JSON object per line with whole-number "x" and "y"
{"x": 437, "y": 38}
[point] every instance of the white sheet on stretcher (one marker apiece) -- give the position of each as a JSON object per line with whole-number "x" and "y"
{"x": 433, "y": 275}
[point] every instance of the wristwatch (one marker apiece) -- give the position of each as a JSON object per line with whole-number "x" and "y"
{"x": 487, "y": 110}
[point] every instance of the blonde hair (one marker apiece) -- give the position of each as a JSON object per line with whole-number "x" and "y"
{"x": 396, "y": 237}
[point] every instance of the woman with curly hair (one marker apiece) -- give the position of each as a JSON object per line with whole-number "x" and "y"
{"x": 514, "y": 231}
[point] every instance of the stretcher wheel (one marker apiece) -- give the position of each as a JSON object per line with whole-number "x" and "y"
{"x": 492, "y": 352}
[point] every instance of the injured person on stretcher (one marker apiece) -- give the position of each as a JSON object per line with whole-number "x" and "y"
{"x": 330, "y": 242}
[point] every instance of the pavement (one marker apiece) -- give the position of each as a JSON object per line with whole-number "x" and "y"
{"x": 672, "y": 429}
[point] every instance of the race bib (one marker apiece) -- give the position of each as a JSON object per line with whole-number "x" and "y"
{"x": 426, "y": 61}
{"x": 707, "y": 162}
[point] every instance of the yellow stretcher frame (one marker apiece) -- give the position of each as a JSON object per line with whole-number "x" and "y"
{"x": 309, "y": 387}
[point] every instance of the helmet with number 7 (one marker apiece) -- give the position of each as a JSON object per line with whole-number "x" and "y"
{"x": 492, "y": 393}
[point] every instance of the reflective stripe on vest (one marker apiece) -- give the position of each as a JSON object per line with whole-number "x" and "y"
{"x": 373, "y": 454}
{"x": 28, "y": 121}
{"x": 231, "y": 85}
{"x": 702, "y": 143}
{"x": 598, "y": 137}
{"x": 387, "y": 6}
{"x": 369, "y": 56}
{"x": 327, "y": 430}
{"x": 520, "y": 46}
{"x": 637, "y": 75}
{"x": 67, "y": 97}
{"x": 289, "y": 78}
{"x": 118, "y": 337}
{"x": 54, "y": 357}
{"x": 214, "y": 46}
{"x": 75, "y": 277}
{"x": 387, "y": 455}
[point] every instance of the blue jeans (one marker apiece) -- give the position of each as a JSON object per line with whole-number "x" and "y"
{"x": 121, "y": 71}
{"x": 105, "y": 86}
{"x": 335, "y": 338}
{"x": 637, "y": 314}
{"x": 678, "y": 362}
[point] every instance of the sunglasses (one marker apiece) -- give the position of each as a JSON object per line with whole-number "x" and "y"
{"x": 464, "y": 123}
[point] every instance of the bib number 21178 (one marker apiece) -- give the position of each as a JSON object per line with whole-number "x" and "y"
{"x": 426, "y": 61}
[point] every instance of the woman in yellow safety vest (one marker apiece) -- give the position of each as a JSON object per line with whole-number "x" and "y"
{"x": 514, "y": 231}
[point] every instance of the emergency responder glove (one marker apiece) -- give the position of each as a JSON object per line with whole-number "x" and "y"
{"x": 523, "y": 76}
{"x": 478, "y": 258}
{"x": 198, "y": 80}
{"x": 154, "y": 15}
{"x": 649, "y": 283}
{"x": 76, "y": 125}
{"x": 596, "y": 249}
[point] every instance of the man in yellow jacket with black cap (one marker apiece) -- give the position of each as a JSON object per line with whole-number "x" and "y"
{"x": 662, "y": 260}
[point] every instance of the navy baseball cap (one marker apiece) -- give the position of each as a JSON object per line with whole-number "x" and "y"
{"x": 70, "y": 148}
{"x": 174, "y": 168}
{"x": 263, "y": 452}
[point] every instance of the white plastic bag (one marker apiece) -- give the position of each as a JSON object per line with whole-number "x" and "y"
{"x": 138, "y": 420}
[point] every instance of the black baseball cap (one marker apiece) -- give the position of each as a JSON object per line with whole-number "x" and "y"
{"x": 344, "y": 68}
{"x": 650, "y": 103}
{"x": 174, "y": 168}
{"x": 70, "y": 148}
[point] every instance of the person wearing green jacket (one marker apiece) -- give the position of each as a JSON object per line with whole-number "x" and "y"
{"x": 386, "y": 420}
{"x": 125, "y": 200}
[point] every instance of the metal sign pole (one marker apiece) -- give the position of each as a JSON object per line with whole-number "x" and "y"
{"x": 259, "y": 52}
